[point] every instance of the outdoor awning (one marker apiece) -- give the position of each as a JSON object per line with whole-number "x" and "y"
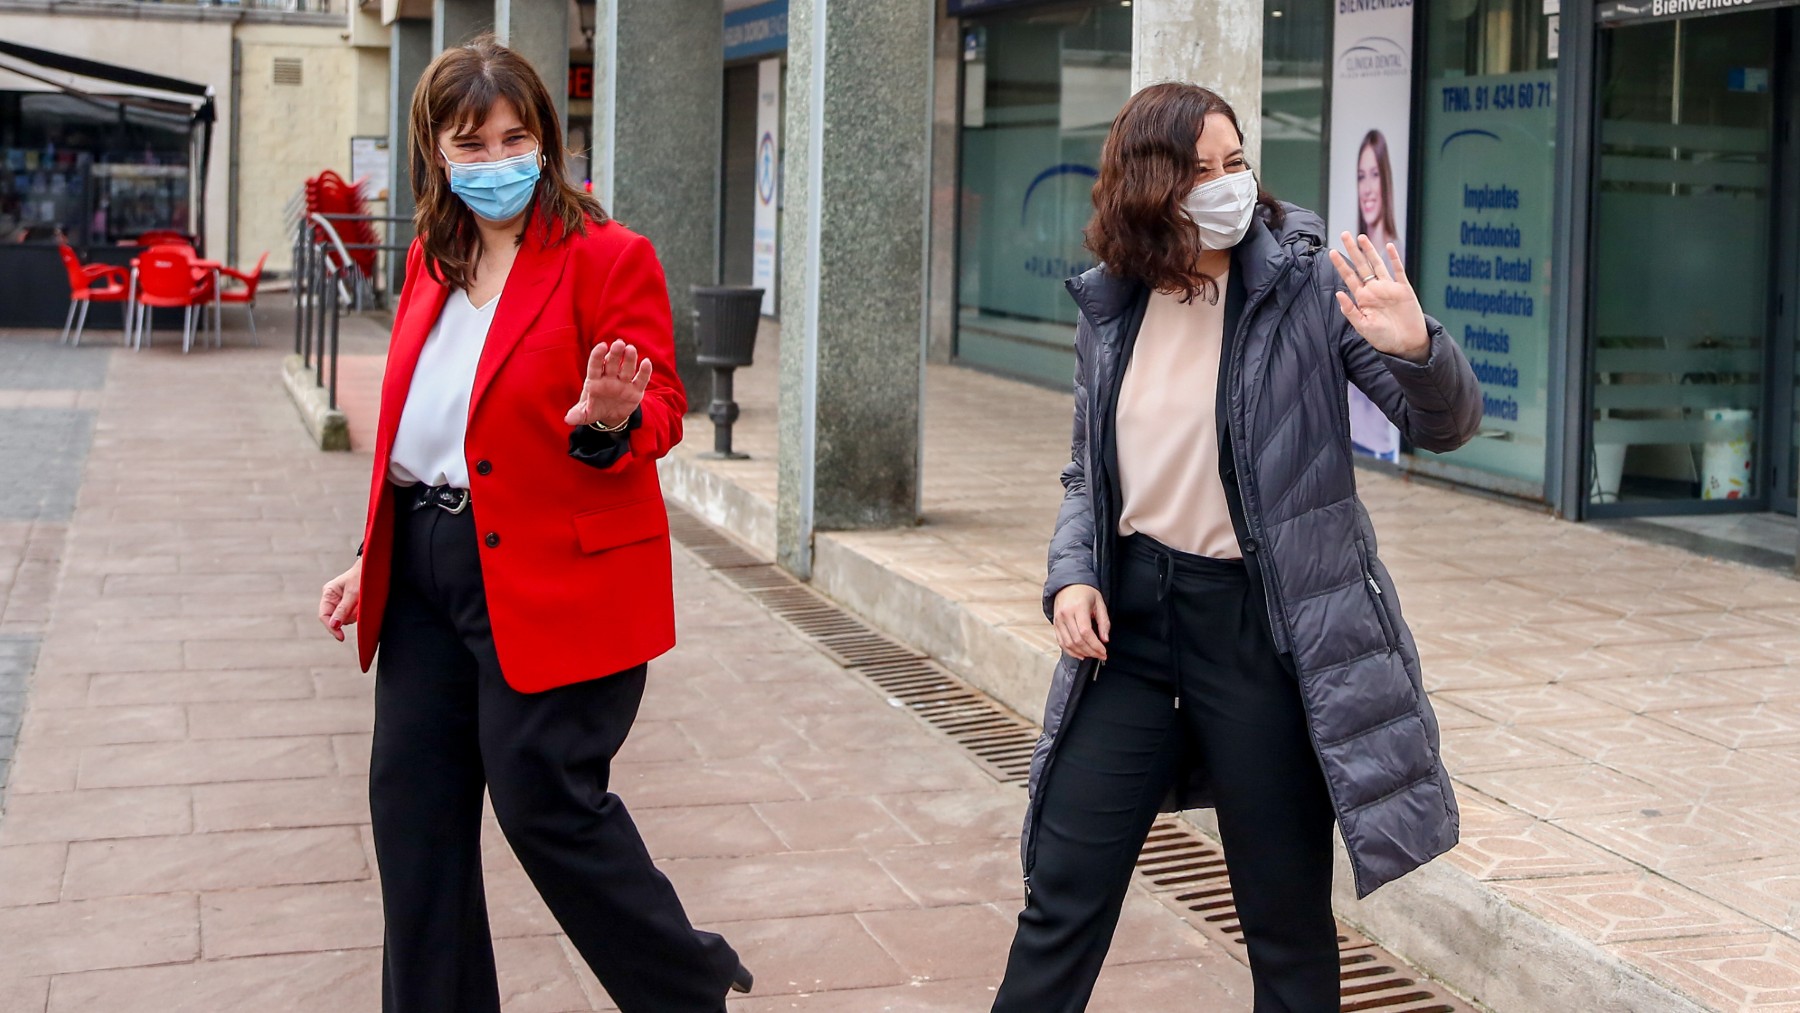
{"x": 106, "y": 82}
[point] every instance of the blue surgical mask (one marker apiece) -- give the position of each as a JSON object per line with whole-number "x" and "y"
{"x": 497, "y": 191}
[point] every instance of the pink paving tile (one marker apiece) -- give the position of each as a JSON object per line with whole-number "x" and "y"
{"x": 1499, "y": 843}
{"x": 89, "y": 935}
{"x": 965, "y": 872}
{"x": 24, "y": 995}
{"x": 966, "y": 941}
{"x": 996, "y": 813}
{"x": 1614, "y": 737}
{"x": 97, "y": 813}
{"x": 1767, "y": 889}
{"x": 186, "y": 687}
{"x": 1214, "y": 983}
{"x": 831, "y": 823}
{"x": 1564, "y": 791}
{"x": 1531, "y": 705}
{"x": 1649, "y": 694}
{"x": 259, "y": 805}
{"x": 201, "y": 762}
{"x": 812, "y": 954}
{"x": 279, "y": 719}
{"x": 343, "y": 980}
{"x": 712, "y": 831}
{"x": 685, "y": 783}
{"x": 312, "y": 918}
{"x": 788, "y": 885}
{"x": 960, "y": 995}
{"x": 1471, "y": 750}
{"x": 1707, "y": 656}
{"x": 825, "y": 774}
{"x": 244, "y": 858}
{"x": 1731, "y": 972}
{"x": 1625, "y": 907}
{"x": 1776, "y": 723}
{"x": 1670, "y": 838}
{"x": 31, "y": 874}
{"x": 536, "y": 976}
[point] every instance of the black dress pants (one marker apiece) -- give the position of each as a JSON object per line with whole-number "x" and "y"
{"x": 447, "y": 726}
{"x": 1191, "y": 672}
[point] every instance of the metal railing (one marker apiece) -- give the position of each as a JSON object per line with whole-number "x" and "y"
{"x": 327, "y": 280}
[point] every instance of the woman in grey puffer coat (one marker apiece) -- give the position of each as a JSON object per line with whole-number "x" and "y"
{"x": 1230, "y": 638}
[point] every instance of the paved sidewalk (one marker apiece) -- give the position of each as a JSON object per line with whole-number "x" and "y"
{"x": 1622, "y": 718}
{"x": 186, "y": 820}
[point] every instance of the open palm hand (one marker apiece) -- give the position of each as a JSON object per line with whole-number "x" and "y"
{"x": 616, "y": 378}
{"x": 1380, "y": 304}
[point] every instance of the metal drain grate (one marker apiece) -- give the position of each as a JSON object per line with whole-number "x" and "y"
{"x": 1177, "y": 862}
{"x": 1188, "y": 870}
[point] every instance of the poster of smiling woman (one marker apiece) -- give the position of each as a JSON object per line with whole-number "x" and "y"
{"x": 1370, "y": 137}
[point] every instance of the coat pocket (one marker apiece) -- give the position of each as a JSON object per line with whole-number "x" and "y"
{"x": 1377, "y": 597}
{"x": 637, "y": 521}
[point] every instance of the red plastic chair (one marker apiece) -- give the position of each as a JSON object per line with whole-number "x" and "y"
{"x": 167, "y": 278}
{"x": 164, "y": 237}
{"x": 245, "y": 296}
{"x": 113, "y": 286}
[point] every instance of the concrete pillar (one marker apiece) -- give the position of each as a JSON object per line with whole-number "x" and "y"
{"x": 454, "y": 22}
{"x": 409, "y": 53}
{"x": 1214, "y": 43}
{"x": 946, "y": 189}
{"x": 659, "y": 72}
{"x": 538, "y": 30}
{"x": 853, "y": 300}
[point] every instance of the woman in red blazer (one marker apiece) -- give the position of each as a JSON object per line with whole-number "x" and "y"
{"x": 515, "y": 567}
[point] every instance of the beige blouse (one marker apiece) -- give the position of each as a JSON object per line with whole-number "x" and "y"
{"x": 1167, "y": 437}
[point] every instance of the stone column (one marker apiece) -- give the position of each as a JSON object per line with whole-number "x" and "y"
{"x": 659, "y": 78}
{"x": 538, "y": 30}
{"x": 853, "y": 303}
{"x": 1214, "y": 43}
{"x": 454, "y": 22}
{"x": 409, "y": 53}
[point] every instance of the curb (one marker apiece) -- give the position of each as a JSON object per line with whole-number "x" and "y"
{"x": 1445, "y": 922}
{"x": 326, "y": 425}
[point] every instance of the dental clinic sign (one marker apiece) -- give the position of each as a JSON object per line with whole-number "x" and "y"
{"x": 1371, "y": 139}
{"x": 1628, "y": 12}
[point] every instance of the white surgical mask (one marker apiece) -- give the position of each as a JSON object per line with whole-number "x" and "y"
{"x": 1222, "y": 208}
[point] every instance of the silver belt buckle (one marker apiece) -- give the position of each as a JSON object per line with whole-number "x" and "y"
{"x": 453, "y": 501}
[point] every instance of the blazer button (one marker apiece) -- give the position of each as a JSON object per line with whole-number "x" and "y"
{"x": 492, "y": 540}
{"x": 482, "y": 467}
{"x": 1249, "y": 545}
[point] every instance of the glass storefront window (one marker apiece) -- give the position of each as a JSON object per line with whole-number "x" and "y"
{"x": 1296, "y": 46}
{"x": 1485, "y": 239}
{"x": 1040, "y": 90}
{"x": 93, "y": 172}
{"x": 1681, "y": 248}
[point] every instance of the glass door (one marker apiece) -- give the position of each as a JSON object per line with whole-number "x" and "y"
{"x": 1685, "y": 366}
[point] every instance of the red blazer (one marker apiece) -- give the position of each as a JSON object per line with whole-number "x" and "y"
{"x": 575, "y": 559}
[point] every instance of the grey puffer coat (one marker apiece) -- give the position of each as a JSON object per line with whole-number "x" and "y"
{"x": 1332, "y": 606}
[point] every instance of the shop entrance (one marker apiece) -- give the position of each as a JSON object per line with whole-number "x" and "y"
{"x": 1692, "y": 364}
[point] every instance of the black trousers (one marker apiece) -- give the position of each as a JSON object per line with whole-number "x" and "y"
{"x": 1191, "y": 672}
{"x": 447, "y": 726}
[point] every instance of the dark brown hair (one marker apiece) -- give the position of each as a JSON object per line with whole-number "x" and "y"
{"x": 1375, "y": 141}
{"x": 1147, "y": 168}
{"x": 459, "y": 90}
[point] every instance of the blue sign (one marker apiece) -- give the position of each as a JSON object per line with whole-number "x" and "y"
{"x": 959, "y": 8}
{"x": 761, "y": 30}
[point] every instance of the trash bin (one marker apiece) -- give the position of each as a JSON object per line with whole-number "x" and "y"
{"x": 725, "y": 321}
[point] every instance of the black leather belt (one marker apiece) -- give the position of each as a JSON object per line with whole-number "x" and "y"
{"x": 445, "y": 497}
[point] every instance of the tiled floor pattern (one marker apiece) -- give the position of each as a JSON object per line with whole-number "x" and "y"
{"x": 188, "y": 824}
{"x": 1622, "y": 718}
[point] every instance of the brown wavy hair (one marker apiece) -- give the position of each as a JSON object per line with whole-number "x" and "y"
{"x": 1147, "y": 168}
{"x": 459, "y": 90}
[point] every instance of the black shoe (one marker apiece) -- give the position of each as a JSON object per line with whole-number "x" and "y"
{"x": 742, "y": 980}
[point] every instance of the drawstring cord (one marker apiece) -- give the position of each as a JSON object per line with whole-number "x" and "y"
{"x": 1165, "y": 585}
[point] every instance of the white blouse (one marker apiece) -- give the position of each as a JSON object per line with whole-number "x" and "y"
{"x": 428, "y": 447}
